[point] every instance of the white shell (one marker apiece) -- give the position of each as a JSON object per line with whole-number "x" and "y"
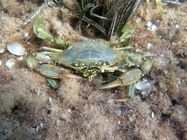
{"x": 16, "y": 48}
{"x": 10, "y": 62}
{"x": 2, "y": 50}
{"x": 144, "y": 86}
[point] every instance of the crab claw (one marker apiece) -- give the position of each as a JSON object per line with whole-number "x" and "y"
{"x": 45, "y": 68}
{"x": 125, "y": 79}
{"x": 54, "y": 72}
{"x": 39, "y": 30}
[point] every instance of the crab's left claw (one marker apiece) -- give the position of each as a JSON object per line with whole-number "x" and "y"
{"x": 39, "y": 30}
{"x": 125, "y": 79}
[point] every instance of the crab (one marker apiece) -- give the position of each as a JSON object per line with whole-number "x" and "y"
{"x": 87, "y": 58}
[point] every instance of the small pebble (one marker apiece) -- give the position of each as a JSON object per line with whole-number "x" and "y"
{"x": 110, "y": 101}
{"x": 149, "y": 45}
{"x": 58, "y": 122}
{"x": 119, "y": 113}
{"x": 1, "y": 63}
{"x": 50, "y": 100}
{"x": 144, "y": 92}
{"x": 26, "y": 35}
{"x": 37, "y": 129}
{"x": 131, "y": 119}
{"x": 153, "y": 115}
{"x": 69, "y": 110}
{"x": 151, "y": 26}
{"x": 16, "y": 48}
{"x": 32, "y": 130}
{"x": 41, "y": 125}
{"x": 177, "y": 26}
{"x": 138, "y": 20}
{"x": 37, "y": 91}
{"x": 20, "y": 58}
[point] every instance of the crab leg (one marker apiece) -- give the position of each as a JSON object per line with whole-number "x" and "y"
{"x": 130, "y": 94}
{"x": 125, "y": 79}
{"x": 54, "y": 83}
{"x": 48, "y": 49}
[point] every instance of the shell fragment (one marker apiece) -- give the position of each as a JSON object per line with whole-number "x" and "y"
{"x": 16, "y": 48}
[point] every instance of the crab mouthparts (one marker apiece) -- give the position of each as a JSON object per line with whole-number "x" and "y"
{"x": 90, "y": 72}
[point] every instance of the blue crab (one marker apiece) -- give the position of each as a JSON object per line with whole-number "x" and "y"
{"x": 87, "y": 58}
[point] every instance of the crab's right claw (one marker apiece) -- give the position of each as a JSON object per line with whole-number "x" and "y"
{"x": 52, "y": 73}
{"x": 45, "y": 68}
{"x": 125, "y": 79}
